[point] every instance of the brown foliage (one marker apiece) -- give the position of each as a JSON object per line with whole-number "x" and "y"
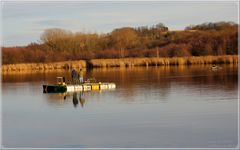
{"x": 60, "y": 45}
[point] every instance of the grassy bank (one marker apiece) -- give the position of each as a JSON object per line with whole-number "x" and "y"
{"x": 163, "y": 61}
{"x": 65, "y": 65}
{"x": 124, "y": 62}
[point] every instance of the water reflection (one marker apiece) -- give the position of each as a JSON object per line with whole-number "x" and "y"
{"x": 159, "y": 81}
{"x": 81, "y": 100}
{"x": 151, "y": 107}
{"x": 123, "y": 75}
{"x": 77, "y": 98}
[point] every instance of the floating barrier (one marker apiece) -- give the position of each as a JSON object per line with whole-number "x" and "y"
{"x": 77, "y": 87}
{"x": 89, "y": 85}
{"x": 95, "y": 86}
{"x": 104, "y": 86}
{"x": 111, "y": 85}
{"x": 74, "y": 87}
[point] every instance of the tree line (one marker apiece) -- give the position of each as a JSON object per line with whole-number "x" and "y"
{"x": 220, "y": 38}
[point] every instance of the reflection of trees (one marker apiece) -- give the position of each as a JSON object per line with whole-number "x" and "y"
{"x": 49, "y": 77}
{"x": 161, "y": 78}
{"x": 224, "y": 78}
{"x": 132, "y": 81}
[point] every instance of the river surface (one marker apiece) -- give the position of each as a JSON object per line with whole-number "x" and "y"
{"x": 154, "y": 107}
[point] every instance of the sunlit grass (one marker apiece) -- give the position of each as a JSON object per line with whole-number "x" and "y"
{"x": 162, "y": 61}
{"x": 124, "y": 62}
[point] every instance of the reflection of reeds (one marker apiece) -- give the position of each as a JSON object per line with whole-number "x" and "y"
{"x": 124, "y": 62}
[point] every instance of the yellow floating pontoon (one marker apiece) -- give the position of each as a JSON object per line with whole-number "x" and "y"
{"x": 61, "y": 86}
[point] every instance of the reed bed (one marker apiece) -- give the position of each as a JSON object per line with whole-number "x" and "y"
{"x": 164, "y": 61}
{"x": 66, "y": 65}
{"x": 124, "y": 62}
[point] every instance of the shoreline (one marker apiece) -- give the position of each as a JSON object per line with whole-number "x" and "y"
{"x": 122, "y": 62}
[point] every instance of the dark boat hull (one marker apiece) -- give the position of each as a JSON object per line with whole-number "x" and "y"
{"x": 54, "y": 88}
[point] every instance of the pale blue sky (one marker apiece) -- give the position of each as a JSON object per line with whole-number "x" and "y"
{"x": 24, "y": 22}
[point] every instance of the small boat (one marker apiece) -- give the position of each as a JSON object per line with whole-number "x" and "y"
{"x": 54, "y": 89}
{"x": 60, "y": 87}
{"x": 215, "y": 67}
{"x": 88, "y": 85}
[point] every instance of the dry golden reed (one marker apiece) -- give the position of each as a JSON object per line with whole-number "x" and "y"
{"x": 43, "y": 66}
{"x": 163, "y": 61}
{"x": 124, "y": 62}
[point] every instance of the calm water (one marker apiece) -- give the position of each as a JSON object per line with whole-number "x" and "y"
{"x": 174, "y": 107}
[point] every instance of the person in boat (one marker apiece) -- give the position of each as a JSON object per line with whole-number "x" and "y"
{"x": 74, "y": 76}
{"x": 81, "y": 76}
{"x": 63, "y": 81}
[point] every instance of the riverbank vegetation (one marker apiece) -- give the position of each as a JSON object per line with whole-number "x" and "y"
{"x": 122, "y": 62}
{"x": 164, "y": 61}
{"x": 57, "y": 45}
